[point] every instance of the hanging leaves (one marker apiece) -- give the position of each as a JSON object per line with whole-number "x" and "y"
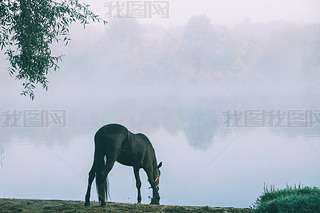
{"x": 29, "y": 27}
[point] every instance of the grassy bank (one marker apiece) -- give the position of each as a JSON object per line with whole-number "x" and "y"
{"x": 290, "y": 200}
{"x": 16, "y": 205}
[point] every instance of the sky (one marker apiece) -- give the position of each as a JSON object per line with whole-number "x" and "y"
{"x": 226, "y": 12}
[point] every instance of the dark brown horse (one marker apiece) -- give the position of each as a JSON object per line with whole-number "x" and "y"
{"x": 113, "y": 143}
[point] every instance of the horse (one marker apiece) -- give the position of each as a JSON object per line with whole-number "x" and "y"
{"x": 114, "y": 142}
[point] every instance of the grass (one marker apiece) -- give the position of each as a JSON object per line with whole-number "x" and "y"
{"x": 290, "y": 200}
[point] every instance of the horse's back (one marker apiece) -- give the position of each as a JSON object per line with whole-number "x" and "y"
{"x": 111, "y": 130}
{"x": 111, "y": 135}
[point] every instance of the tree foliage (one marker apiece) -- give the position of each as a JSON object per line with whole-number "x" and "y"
{"x": 29, "y": 27}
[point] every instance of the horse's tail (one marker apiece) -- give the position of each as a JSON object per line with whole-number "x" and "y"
{"x": 102, "y": 184}
{"x": 106, "y": 188}
{"x": 99, "y": 162}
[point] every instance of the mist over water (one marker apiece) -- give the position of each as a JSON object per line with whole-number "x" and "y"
{"x": 173, "y": 84}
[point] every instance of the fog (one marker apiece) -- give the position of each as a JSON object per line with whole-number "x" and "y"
{"x": 173, "y": 83}
{"x": 227, "y": 13}
{"x": 179, "y": 78}
{"x": 249, "y": 64}
{"x": 197, "y": 59}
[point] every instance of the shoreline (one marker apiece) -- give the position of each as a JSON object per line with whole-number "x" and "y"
{"x": 29, "y": 205}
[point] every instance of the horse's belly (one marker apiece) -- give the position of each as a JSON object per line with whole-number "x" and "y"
{"x": 128, "y": 160}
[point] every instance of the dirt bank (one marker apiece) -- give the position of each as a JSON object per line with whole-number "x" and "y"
{"x": 16, "y": 205}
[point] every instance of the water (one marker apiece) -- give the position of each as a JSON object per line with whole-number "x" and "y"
{"x": 204, "y": 163}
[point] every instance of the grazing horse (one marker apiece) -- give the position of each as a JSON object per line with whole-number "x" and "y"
{"x": 114, "y": 142}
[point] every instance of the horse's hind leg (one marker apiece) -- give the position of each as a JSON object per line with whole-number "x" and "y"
{"x": 107, "y": 169}
{"x": 102, "y": 181}
{"x": 92, "y": 175}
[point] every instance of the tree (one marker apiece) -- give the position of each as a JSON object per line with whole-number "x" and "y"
{"x": 29, "y": 27}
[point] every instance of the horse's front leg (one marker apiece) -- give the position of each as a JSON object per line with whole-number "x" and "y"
{"x": 138, "y": 182}
{"x": 156, "y": 197}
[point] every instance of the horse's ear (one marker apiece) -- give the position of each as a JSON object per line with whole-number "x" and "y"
{"x": 160, "y": 164}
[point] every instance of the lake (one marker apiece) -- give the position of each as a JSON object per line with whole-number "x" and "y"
{"x": 209, "y": 157}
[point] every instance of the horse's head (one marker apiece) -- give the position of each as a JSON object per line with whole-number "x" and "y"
{"x": 157, "y": 180}
{"x": 156, "y": 174}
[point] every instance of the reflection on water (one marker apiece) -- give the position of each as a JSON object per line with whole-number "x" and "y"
{"x": 203, "y": 163}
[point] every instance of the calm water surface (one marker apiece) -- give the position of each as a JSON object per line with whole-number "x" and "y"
{"x": 203, "y": 162}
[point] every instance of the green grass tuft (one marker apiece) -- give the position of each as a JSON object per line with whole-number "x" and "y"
{"x": 290, "y": 200}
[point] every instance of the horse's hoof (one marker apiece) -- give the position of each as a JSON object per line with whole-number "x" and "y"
{"x": 87, "y": 204}
{"x": 155, "y": 201}
{"x": 103, "y": 204}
